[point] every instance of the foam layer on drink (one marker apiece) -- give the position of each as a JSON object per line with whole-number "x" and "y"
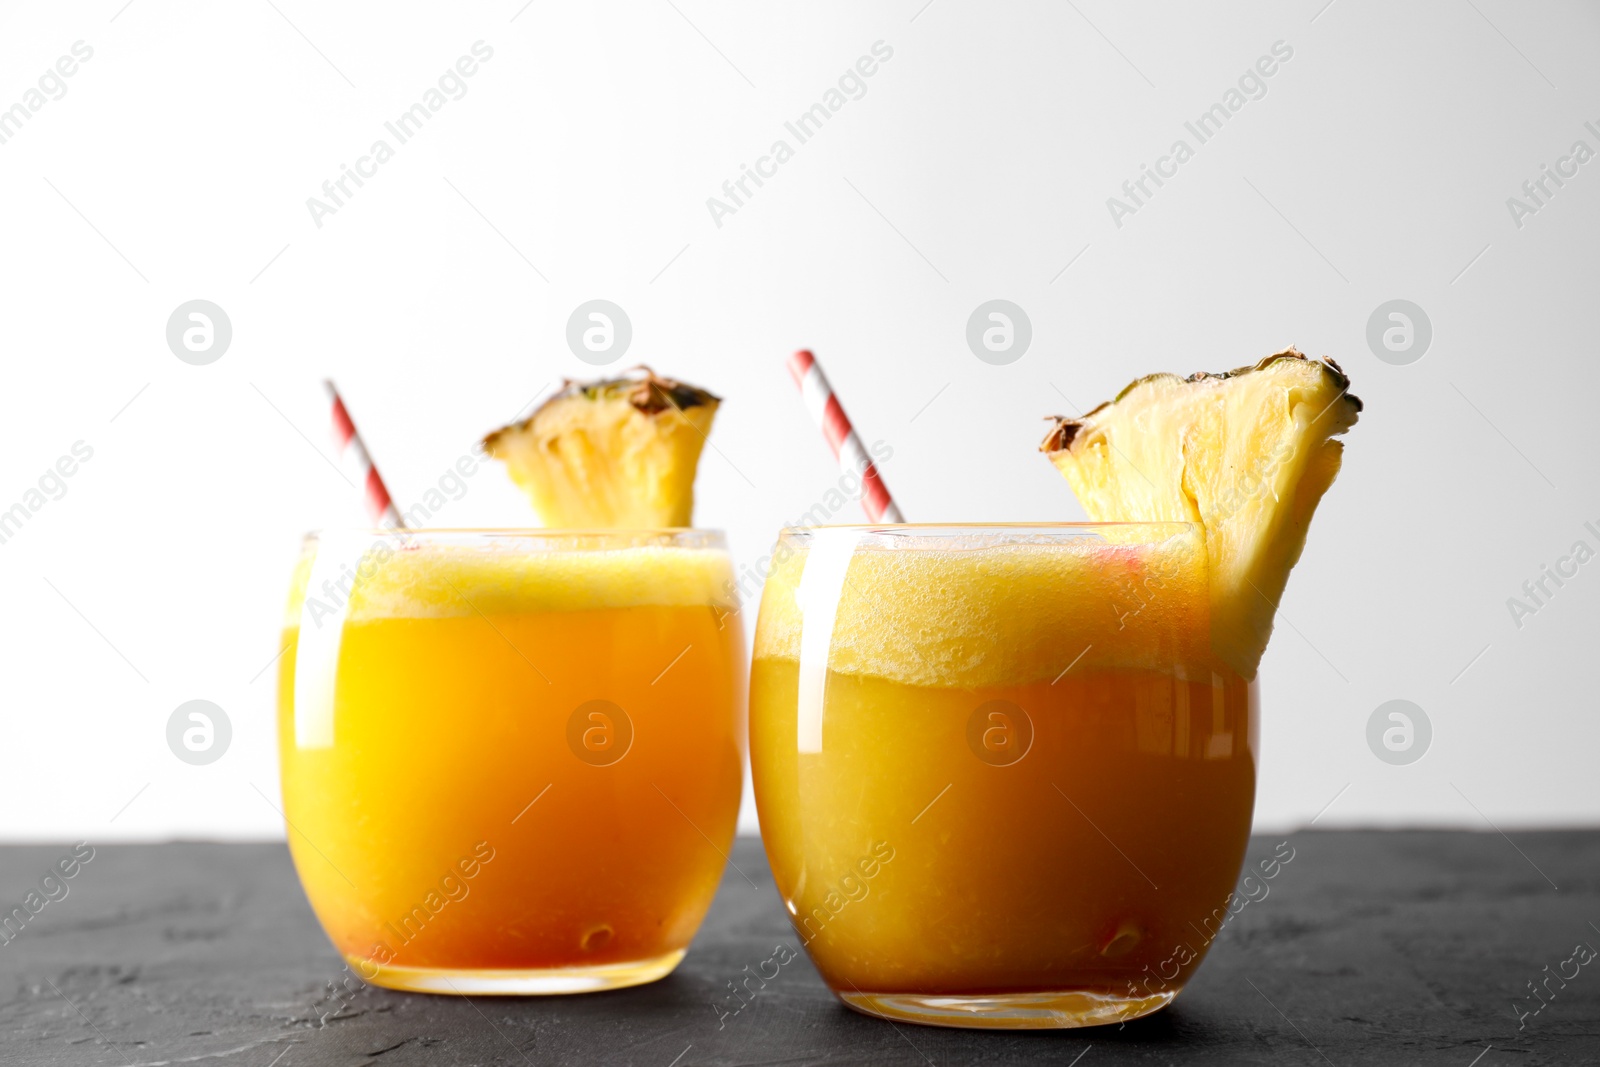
{"x": 433, "y": 580}
{"x": 956, "y": 612}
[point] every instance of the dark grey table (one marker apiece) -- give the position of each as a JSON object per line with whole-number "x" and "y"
{"x": 1369, "y": 948}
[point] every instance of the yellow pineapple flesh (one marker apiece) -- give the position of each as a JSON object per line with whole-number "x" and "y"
{"x": 616, "y": 453}
{"x": 1246, "y": 455}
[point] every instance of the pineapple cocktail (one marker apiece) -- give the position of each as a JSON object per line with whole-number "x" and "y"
{"x": 1006, "y": 773}
{"x": 1029, "y": 718}
{"x": 512, "y": 759}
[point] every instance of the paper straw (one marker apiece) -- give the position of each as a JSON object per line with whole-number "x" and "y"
{"x": 357, "y": 461}
{"x": 841, "y": 436}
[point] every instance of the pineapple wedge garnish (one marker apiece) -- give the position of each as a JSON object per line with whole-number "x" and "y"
{"x": 617, "y": 453}
{"x": 1246, "y": 455}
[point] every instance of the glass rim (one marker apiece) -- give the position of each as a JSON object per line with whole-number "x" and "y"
{"x": 945, "y": 528}
{"x": 541, "y": 533}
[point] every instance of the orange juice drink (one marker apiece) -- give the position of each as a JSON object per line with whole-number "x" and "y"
{"x": 1001, "y": 781}
{"x": 511, "y": 760}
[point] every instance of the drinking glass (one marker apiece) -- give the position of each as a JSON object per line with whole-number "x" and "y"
{"x": 1001, "y": 780}
{"x": 511, "y": 759}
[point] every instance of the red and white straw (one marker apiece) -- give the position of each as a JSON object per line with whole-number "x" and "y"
{"x": 829, "y": 414}
{"x": 357, "y": 462}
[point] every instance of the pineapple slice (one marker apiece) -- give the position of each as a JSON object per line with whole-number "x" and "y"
{"x": 1246, "y": 455}
{"x": 613, "y": 453}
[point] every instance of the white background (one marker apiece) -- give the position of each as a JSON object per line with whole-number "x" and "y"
{"x": 977, "y": 165}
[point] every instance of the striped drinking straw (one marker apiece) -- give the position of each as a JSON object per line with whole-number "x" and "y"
{"x": 829, "y": 414}
{"x": 358, "y": 465}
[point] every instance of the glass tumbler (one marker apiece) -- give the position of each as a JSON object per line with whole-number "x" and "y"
{"x": 1002, "y": 781}
{"x": 511, "y": 759}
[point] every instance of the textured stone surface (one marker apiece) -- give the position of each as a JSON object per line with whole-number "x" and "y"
{"x": 1370, "y": 948}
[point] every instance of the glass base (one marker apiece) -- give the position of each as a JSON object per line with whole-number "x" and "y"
{"x": 1007, "y": 1011}
{"x": 509, "y": 982}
